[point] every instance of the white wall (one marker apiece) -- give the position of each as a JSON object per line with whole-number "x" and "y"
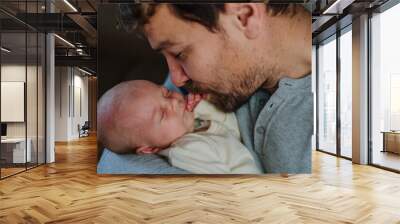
{"x": 33, "y": 127}
{"x": 80, "y": 109}
{"x": 15, "y": 72}
{"x": 70, "y": 83}
{"x": 61, "y": 103}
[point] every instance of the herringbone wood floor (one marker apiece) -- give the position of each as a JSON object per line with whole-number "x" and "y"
{"x": 70, "y": 191}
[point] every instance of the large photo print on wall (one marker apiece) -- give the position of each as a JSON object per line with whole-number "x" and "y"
{"x": 220, "y": 88}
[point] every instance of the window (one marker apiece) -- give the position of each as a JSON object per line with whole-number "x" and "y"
{"x": 346, "y": 93}
{"x": 314, "y": 90}
{"x": 333, "y": 137}
{"x": 385, "y": 88}
{"x": 327, "y": 96}
{"x": 22, "y": 75}
{"x": 394, "y": 102}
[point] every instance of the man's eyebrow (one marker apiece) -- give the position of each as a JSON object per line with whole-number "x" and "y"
{"x": 164, "y": 44}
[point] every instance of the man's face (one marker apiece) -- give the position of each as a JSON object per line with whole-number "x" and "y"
{"x": 163, "y": 115}
{"x": 205, "y": 62}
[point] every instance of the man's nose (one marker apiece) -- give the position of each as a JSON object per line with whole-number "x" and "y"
{"x": 178, "y": 75}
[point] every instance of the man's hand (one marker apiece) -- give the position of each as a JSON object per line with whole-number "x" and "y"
{"x": 193, "y": 100}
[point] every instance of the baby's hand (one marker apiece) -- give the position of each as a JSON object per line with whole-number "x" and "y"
{"x": 193, "y": 100}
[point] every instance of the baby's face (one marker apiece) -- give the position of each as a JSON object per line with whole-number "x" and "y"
{"x": 164, "y": 115}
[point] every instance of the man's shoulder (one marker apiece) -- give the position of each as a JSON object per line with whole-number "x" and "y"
{"x": 247, "y": 114}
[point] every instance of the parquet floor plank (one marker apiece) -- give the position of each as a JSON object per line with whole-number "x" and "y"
{"x": 70, "y": 191}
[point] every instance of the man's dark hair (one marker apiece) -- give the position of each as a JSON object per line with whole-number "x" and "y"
{"x": 135, "y": 16}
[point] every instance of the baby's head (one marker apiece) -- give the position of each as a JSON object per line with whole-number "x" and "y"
{"x": 140, "y": 116}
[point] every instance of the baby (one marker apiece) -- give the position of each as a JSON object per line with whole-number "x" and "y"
{"x": 142, "y": 117}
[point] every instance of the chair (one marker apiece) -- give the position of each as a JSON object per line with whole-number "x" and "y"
{"x": 84, "y": 130}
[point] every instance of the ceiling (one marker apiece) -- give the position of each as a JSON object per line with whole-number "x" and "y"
{"x": 331, "y": 16}
{"x": 72, "y": 20}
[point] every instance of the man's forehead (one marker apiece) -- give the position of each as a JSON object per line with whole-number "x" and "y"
{"x": 164, "y": 27}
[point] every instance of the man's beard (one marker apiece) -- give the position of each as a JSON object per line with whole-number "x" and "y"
{"x": 226, "y": 102}
{"x": 229, "y": 94}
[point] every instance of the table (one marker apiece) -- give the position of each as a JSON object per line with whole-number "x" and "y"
{"x": 16, "y": 147}
{"x": 391, "y": 141}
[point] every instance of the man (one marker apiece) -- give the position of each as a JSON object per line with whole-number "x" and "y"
{"x": 251, "y": 58}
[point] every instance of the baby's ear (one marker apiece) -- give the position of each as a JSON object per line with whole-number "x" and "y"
{"x": 147, "y": 150}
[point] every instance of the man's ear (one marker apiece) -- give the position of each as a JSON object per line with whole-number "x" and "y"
{"x": 147, "y": 150}
{"x": 247, "y": 17}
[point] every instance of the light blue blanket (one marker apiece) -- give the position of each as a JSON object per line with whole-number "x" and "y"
{"x": 112, "y": 163}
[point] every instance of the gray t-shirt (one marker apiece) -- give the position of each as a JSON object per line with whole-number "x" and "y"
{"x": 277, "y": 128}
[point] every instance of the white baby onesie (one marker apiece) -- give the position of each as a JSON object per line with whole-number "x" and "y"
{"x": 217, "y": 150}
